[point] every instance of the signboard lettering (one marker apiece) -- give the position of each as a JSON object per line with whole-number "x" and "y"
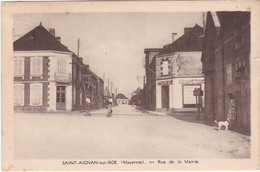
{"x": 165, "y": 82}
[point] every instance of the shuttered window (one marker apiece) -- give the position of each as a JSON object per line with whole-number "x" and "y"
{"x": 36, "y": 66}
{"x": 18, "y": 94}
{"x": 36, "y": 94}
{"x": 18, "y": 66}
{"x": 61, "y": 65}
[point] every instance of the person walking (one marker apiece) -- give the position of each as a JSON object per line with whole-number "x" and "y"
{"x": 88, "y": 107}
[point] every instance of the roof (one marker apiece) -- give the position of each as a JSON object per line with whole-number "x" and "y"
{"x": 39, "y": 39}
{"x": 89, "y": 71}
{"x": 121, "y": 96}
{"x": 188, "y": 42}
{"x": 232, "y": 21}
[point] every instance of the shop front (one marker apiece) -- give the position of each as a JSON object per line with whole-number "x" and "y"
{"x": 176, "y": 94}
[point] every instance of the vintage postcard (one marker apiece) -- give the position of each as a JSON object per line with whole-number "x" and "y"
{"x": 151, "y": 85}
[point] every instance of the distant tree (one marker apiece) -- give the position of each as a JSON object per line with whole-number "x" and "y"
{"x": 137, "y": 97}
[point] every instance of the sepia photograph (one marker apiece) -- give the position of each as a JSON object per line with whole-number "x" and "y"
{"x": 131, "y": 87}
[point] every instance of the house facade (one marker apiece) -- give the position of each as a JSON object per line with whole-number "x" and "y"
{"x": 47, "y": 75}
{"x": 179, "y": 72}
{"x": 121, "y": 99}
{"x": 150, "y": 73}
{"x": 226, "y": 66}
{"x": 94, "y": 88}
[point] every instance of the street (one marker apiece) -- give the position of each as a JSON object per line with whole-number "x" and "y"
{"x": 129, "y": 133}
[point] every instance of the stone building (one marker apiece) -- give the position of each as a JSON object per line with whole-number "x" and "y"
{"x": 94, "y": 88}
{"x": 150, "y": 70}
{"x": 179, "y": 72}
{"x": 47, "y": 75}
{"x": 226, "y": 65}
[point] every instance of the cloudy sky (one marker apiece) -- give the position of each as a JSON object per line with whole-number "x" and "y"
{"x": 112, "y": 43}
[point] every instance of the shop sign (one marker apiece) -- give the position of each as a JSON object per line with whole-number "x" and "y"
{"x": 191, "y": 81}
{"x": 170, "y": 82}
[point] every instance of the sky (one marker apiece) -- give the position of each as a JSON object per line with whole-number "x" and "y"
{"x": 112, "y": 43}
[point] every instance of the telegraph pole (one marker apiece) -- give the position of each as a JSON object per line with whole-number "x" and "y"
{"x": 78, "y": 46}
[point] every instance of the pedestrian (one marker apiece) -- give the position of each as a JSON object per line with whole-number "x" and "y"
{"x": 110, "y": 101}
{"x": 109, "y": 110}
{"x": 232, "y": 110}
{"x": 88, "y": 107}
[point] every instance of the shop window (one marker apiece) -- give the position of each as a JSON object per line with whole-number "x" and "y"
{"x": 18, "y": 94}
{"x": 36, "y": 66}
{"x": 36, "y": 94}
{"x": 18, "y": 66}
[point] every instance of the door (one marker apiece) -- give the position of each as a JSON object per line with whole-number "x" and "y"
{"x": 165, "y": 97}
{"x": 61, "y": 98}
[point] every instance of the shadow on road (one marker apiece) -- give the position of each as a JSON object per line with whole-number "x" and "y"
{"x": 209, "y": 122}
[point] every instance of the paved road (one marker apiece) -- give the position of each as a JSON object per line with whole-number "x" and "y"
{"x": 129, "y": 133}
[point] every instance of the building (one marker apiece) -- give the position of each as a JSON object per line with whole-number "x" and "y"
{"x": 47, "y": 75}
{"x": 226, "y": 65}
{"x": 150, "y": 73}
{"x": 78, "y": 91}
{"x": 179, "y": 72}
{"x": 121, "y": 99}
{"x": 94, "y": 88}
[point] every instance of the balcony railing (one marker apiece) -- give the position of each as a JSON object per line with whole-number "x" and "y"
{"x": 62, "y": 77}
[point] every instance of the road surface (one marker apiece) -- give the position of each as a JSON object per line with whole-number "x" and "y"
{"x": 129, "y": 133}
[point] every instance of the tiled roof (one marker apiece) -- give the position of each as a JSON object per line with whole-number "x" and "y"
{"x": 188, "y": 42}
{"x": 39, "y": 39}
{"x": 121, "y": 96}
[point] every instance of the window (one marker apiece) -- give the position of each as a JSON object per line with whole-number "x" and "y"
{"x": 229, "y": 74}
{"x": 36, "y": 94}
{"x": 18, "y": 94}
{"x": 18, "y": 66}
{"x": 61, "y": 65}
{"x": 36, "y": 66}
{"x": 80, "y": 98}
{"x": 165, "y": 67}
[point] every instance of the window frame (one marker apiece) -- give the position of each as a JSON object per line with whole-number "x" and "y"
{"x": 34, "y": 94}
{"x": 19, "y": 85}
{"x": 19, "y": 74}
{"x": 36, "y": 72}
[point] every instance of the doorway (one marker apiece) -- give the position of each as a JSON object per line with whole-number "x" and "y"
{"x": 165, "y": 97}
{"x": 61, "y": 98}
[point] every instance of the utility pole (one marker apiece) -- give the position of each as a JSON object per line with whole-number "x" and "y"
{"x": 108, "y": 86}
{"x": 78, "y": 46}
{"x": 203, "y": 20}
{"x": 111, "y": 88}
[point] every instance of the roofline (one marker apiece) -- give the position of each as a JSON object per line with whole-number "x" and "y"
{"x": 95, "y": 75}
{"x": 152, "y": 50}
{"x": 44, "y": 51}
{"x": 176, "y": 52}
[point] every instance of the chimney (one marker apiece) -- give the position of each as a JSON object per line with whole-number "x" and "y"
{"x": 187, "y": 29}
{"x": 58, "y": 38}
{"x": 52, "y": 31}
